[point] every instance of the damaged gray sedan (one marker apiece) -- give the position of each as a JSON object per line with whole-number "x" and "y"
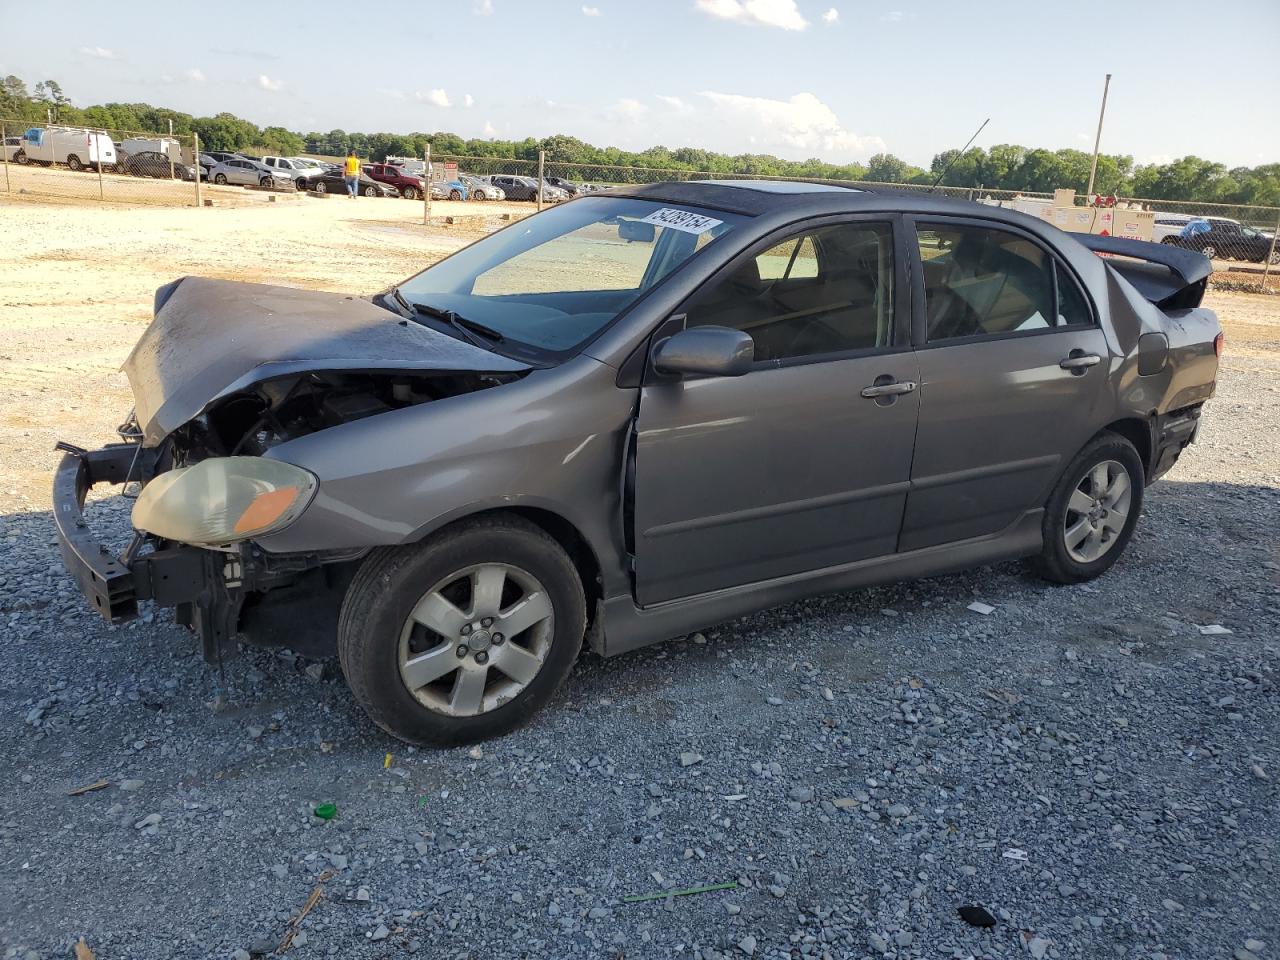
{"x": 631, "y": 416}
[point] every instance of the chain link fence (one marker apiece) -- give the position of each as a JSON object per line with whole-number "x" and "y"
{"x": 124, "y": 166}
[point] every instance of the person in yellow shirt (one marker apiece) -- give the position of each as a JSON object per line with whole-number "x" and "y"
{"x": 351, "y": 172}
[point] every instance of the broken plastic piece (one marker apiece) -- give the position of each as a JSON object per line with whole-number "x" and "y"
{"x": 689, "y": 891}
{"x": 326, "y": 811}
{"x": 976, "y": 916}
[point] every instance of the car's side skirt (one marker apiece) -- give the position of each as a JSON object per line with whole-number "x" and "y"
{"x": 628, "y": 627}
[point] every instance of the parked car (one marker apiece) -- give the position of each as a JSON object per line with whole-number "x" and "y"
{"x": 11, "y": 147}
{"x": 299, "y": 174}
{"x": 148, "y": 163}
{"x": 1226, "y": 239}
{"x": 207, "y": 163}
{"x": 1168, "y": 225}
{"x": 77, "y": 147}
{"x": 526, "y": 188}
{"x": 168, "y": 146}
{"x": 449, "y": 190}
{"x": 408, "y": 186}
{"x": 335, "y": 182}
{"x": 459, "y": 480}
{"x": 568, "y": 186}
{"x": 480, "y": 189}
{"x": 221, "y": 156}
{"x": 247, "y": 173}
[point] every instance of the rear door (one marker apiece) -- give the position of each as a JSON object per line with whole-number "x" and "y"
{"x": 791, "y": 467}
{"x": 1013, "y": 375}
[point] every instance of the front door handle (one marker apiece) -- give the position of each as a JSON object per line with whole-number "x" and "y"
{"x": 889, "y": 389}
{"x": 1078, "y": 361}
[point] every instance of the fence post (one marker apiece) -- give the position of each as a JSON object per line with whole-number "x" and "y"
{"x": 5, "y": 151}
{"x": 199, "y": 171}
{"x": 542, "y": 159}
{"x": 101, "y": 193}
{"x": 166, "y": 150}
{"x": 426, "y": 188}
{"x": 1271, "y": 255}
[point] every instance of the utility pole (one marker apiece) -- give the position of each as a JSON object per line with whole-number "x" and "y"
{"x": 1093, "y": 167}
{"x": 426, "y": 187}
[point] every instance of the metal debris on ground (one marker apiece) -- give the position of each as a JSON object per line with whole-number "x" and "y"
{"x": 689, "y": 891}
{"x": 312, "y": 900}
{"x": 90, "y": 788}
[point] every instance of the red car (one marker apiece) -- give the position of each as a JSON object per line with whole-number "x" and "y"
{"x": 410, "y": 187}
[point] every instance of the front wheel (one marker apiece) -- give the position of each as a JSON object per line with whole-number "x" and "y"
{"x": 73, "y": 163}
{"x": 455, "y": 194}
{"x": 464, "y": 636}
{"x": 220, "y": 179}
{"x": 370, "y": 191}
{"x": 1092, "y": 511}
{"x": 409, "y": 193}
{"x": 1209, "y": 250}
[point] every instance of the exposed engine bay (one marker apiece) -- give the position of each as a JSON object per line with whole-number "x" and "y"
{"x": 254, "y": 420}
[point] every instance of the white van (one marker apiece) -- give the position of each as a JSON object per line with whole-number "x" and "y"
{"x": 168, "y": 146}
{"x": 76, "y": 147}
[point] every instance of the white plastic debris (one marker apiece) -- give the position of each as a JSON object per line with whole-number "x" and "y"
{"x": 1013, "y": 853}
{"x": 1214, "y": 630}
{"x": 983, "y": 608}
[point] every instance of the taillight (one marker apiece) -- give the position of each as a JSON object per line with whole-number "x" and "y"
{"x": 1217, "y": 344}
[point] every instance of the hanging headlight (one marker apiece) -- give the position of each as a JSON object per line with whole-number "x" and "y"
{"x": 223, "y": 500}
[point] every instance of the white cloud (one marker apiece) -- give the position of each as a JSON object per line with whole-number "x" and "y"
{"x": 769, "y": 13}
{"x": 483, "y": 8}
{"x": 675, "y": 103}
{"x": 100, "y": 53}
{"x": 831, "y": 16}
{"x": 801, "y": 125}
{"x": 628, "y": 110}
{"x": 489, "y": 130}
{"x": 266, "y": 83}
{"x": 892, "y": 16}
{"x": 436, "y": 97}
{"x": 468, "y": 100}
{"x": 195, "y": 75}
{"x": 391, "y": 93}
{"x": 591, "y": 11}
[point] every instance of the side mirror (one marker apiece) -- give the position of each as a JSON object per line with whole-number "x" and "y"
{"x": 636, "y": 230}
{"x": 713, "y": 351}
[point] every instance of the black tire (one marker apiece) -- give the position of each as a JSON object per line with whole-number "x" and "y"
{"x": 370, "y": 191}
{"x": 409, "y": 193}
{"x": 390, "y": 584}
{"x": 1055, "y": 562}
{"x": 1170, "y": 239}
{"x": 265, "y": 183}
{"x": 220, "y": 179}
{"x": 73, "y": 163}
{"x": 321, "y": 187}
{"x": 21, "y": 158}
{"x": 1209, "y": 250}
{"x": 455, "y": 194}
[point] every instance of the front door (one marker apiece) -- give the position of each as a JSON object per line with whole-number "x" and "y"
{"x": 791, "y": 467}
{"x": 1013, "y": 366}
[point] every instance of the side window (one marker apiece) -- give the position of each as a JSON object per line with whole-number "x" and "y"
{"x": 829, "y": 290}
{"x": 1073, "y": 309}
{"x": 980, "y": 281}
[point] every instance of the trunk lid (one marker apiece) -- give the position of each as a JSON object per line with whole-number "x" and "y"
{"x": 210, "y": 338}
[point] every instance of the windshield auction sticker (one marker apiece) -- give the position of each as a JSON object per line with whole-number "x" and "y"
{"x": 681, "y": 220}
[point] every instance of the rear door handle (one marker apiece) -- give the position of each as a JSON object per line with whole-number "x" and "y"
{"x": 1079, "y": 362}
{"x": 889, "y": 389}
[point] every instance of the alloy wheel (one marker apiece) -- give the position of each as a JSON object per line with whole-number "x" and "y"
{"x": 476, "y": 639}
{"x": 1209, "y": 250}
{"x": 1097, "y": 511}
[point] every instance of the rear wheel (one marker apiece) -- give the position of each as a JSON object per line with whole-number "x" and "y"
{"x": 1092, "y": 512}
{"x": 455, "y": 194}
{"x": 220, "y": 179}
{"x": 300, "y": 184}
{"x": 21, "y": 158}
{"x": 464, "y": 636}
{"x": 370, "y": 191}
{"x": 409, "y": 193}
{"x": 1209, "y": 250}
{"x": 1274, "y": 257}
{"x": 73, "y": 162}
{"x": 321, "y": 187}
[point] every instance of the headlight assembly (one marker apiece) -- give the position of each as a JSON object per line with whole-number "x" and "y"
{"x": 223, "y": 500}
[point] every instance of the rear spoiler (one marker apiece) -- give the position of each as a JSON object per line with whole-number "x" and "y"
{"x": 1173, "y": 278}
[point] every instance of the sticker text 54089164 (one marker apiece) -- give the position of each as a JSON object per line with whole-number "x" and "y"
{"x": 682, "y": 220}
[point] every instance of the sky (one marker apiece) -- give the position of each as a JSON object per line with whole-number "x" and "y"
{"x": 835, "y": 79}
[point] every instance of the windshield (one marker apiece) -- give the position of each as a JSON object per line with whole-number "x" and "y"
{"x": 555, "y": 280}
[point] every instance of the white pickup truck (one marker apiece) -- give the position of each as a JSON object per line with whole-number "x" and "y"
{"x": 75, "y": 146}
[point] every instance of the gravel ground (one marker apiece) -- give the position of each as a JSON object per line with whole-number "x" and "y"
{"x": 1089, "y": 764}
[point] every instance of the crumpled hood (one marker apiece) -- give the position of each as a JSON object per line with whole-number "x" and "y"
{"x": 210, "y": 338}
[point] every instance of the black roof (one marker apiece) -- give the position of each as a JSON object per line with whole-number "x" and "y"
{"x": 761, "y": 197}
